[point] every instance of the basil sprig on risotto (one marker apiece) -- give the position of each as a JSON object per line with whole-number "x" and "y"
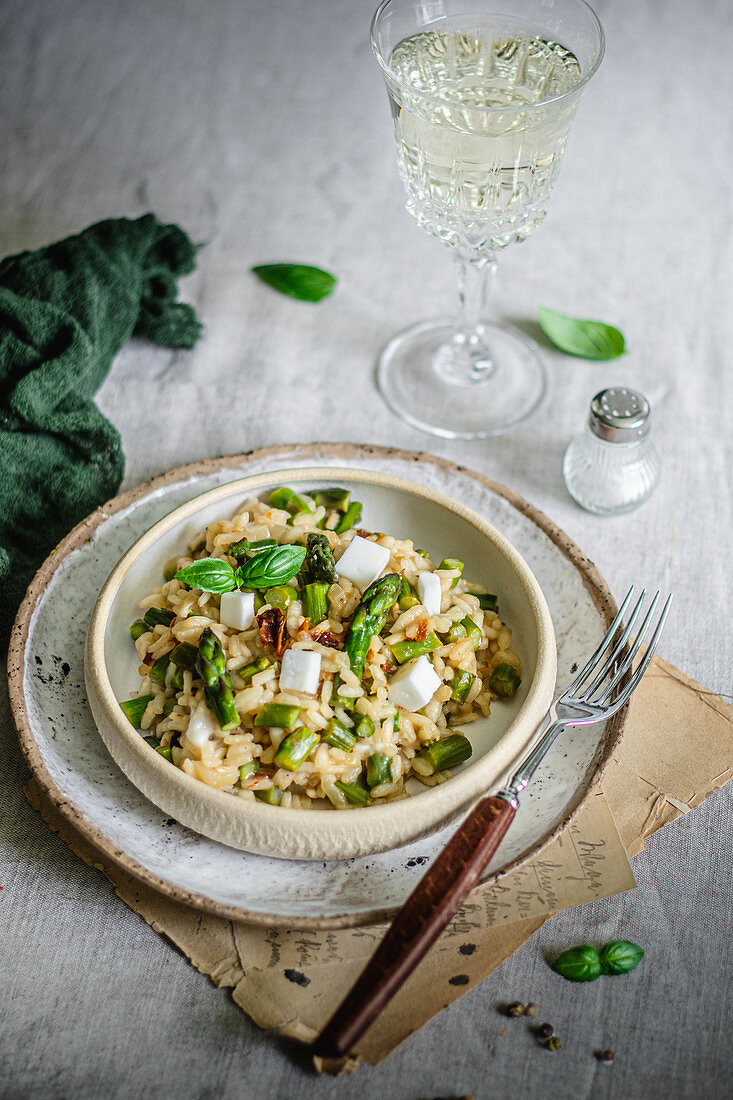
{"x": 274, "y": 566}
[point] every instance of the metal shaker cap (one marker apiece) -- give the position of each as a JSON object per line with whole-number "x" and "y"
{"x": 620, "y": 415}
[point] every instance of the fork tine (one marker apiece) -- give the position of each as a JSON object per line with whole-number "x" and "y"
{"x": 591, "y": 664}
{"x": 617, "y": 649}
{"x": 628, "y": 660}
{"x": 644, "y": 663}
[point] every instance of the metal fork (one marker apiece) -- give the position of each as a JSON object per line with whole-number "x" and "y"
{"x": 591, "y": 697}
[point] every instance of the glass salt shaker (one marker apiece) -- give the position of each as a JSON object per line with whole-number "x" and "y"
{"x": 613, "y": 466}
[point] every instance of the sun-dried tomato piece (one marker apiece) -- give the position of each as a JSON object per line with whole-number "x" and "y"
{"x": 272, "y": 629}
{"x": 326, "y": 637}
{"x": 364, "y": 534}
{"x": 422, "y": 631}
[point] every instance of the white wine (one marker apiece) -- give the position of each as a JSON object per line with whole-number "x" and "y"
{"x": 481, "y": 118}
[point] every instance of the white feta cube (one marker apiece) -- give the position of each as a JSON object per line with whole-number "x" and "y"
{"x": 430, "y": 592}
{"x": 300, "y": 671}
{"x": 237, "y": 609}
{"x": 201, "y": 725}
{"x": 362, "y": 561}
{"x": 414, "y": 685}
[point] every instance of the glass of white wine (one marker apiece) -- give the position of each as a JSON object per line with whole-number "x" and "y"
{"x": 482, "y": 94}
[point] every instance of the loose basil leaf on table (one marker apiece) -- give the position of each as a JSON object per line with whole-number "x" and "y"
{"x": 620, "y": 957}
{"x": 275, "y": 566}
{"x": 301, "y": 281}
{"x": 579, "y": 964}
{"x": 208, "y": 575}
{"x": 586, "y": 339}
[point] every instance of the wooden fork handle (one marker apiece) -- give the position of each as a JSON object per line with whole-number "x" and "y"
{"x": 418, "y": 924}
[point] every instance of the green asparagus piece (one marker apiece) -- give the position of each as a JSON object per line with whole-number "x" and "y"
{"x": 279, "y": 715}
{"x": 379, "y": 769}
{"x": 315, "y": 601}
{"x": 170, "y": 569}
{"x": 396, "y": 722}
{"x": 272, "y": 796}
{"x": 335, "y": 499}
{"x": 211, "y": 667}
{"x": 295, "y": 748}
{"x": 174, "y": 678}
{"x": 159, "y": 668}
{"x": 135, "y": 708}
{"x": 246, "y": 549}
{"x": 346, "y": 702}
{"x": 422, "y": 553}
{"x": 449, "y": 752}
{"x": 408, "y": 596}
{"x": 184, "y": 656}
{"x": 319, "y": 563}
{"x": 461, "y": 684}
{"x": 364, "y": 726}
{"x": 138, "y": 628}
{"x": 152, "y": 741}
{"x": 504, "y": 681}
{"x": 338, "y": 736}
{"x": 169, "y": 704}
{"x": 409, "y": 649}
{"x": 369, "y": 619}
{"x": 452, "y": 563}
{"x": 355, "y": 793}
{"x": 350, "y": 518}
{"x": 290, "y": 501}
{"x": 487, "y": 602}
{"x": 456, "y": 633}
{"x": 472, "y": 631}
{"x": 246, "y": 770}
{"x": 252, "y": 669}
{"x": 165, "y": 752}
{"x": 158, "y": 616}
{"x": 281, "y": 596}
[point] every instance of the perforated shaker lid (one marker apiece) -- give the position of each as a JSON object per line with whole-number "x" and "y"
{"x": 620, "y": 415}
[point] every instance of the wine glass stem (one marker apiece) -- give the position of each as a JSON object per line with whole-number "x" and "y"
{"x": 470, "y": 353}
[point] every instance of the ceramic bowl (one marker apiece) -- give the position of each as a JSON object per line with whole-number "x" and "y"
{"x": 392, "y": 504}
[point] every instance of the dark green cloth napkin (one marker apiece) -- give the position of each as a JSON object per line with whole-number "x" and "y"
{"x": 65, "y": 312}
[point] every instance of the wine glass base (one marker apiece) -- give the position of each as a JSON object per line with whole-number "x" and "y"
{"x": 415, "y": 385}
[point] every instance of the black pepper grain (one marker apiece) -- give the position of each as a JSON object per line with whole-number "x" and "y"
{"x": 516, "y": 1008}
{"x": 554, "y": 1043}
{"x": 605, "y": 1055}
{"x": 545, "y": 1031}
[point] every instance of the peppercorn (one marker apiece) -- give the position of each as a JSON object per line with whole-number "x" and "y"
{"x": 516, "y": 1008}
{"x": 605, "y": 1055}
{"x": 554, "y": 1043}
{"x": 545, "y": 1031}
{"x": 531, "y": 1009}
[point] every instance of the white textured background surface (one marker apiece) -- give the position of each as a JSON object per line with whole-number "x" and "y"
{"x": 263, "y": 128}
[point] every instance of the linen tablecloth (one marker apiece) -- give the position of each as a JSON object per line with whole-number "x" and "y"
{"x": 263, "y": 129}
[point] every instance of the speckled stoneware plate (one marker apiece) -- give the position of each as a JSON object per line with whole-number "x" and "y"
{"x": 403, "y": 508}
{"x": 71, "y": 763}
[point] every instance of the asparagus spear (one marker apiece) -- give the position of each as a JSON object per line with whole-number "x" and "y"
{"x": 253, "y": 668}
{"x": 184, "y": 656}
{"x": 315, "y": 601}
{"x": 338, "y": 736}
{"x": 379, "y": 769}
{"x": 158, "y": 616}
{"x": 364, "y": 726}
{"x": 246, "y": 770}
{"x": 295, "y": 748}
{"x": 159, "y": 668}
{"x": 278, "y": 714}
{"x": 504, "y": 681}
{"x": 335, "y": 499}
{"x": 138, "y": 628}
{"x": 408, "y": 596}
{"x": 281, "y": 596}
{"x": 272, "y": 796}
{"x": 355, "y": 793}
{"x": 350, "y": 518}
{"x": 410, "y": 649}
{"x": 290, "y": 501}
{"x": 446, "y": 753}
{"x": 487, "y": 602}
{"x": 452, "y": 563}
{"x": 135, "y": 708}
{"x": 461, "y": 684}
{"x": 211, "y": 667}
{"x": 319, "y": 563}
{"x": 369, "y": 619}
{"x": 246, "y": 549}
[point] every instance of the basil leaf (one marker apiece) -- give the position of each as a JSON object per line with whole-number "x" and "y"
{"x": 307, "y": 284}
{"x": 620, "y": 957}
{"x": 579, "y": 964}
{"x": 586, "y": 339}
{"x": 209, "y": 575}
{"x": 275, "y": 566}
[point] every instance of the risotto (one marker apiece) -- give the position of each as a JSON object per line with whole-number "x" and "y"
{"x": 293, "y": 657}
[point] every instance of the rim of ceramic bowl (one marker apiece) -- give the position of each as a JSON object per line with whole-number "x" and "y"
{"x": 362, "y": 831}
{"x": 58, "y": 803}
